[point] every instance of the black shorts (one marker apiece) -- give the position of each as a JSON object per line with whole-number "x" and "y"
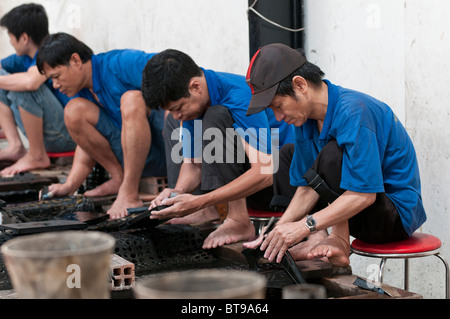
{"x": 378, "y": 223}
{"x": 216, "y": 174}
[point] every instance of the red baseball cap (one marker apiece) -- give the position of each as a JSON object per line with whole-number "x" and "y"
{"x": 269, "y": 66}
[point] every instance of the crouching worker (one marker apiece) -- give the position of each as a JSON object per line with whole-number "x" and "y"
{"x": 353, "y": 164}
{"x": 106, "y": 117}
{"x": 228, "y": 156}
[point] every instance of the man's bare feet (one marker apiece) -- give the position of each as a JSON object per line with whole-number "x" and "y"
{"x": 120, "y": 206}
{"x": 334, "y": 248}
{"x": 12, "y": 154}
{"x": 301, "y": 250}
{"x": 111, "y": 187}
{"x": 231, "y": 231}
{"x": 204, "y": 215}
{"x": 25, "y": 164}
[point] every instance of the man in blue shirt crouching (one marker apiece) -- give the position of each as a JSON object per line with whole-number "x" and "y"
{"x": 107, "y": 118}
{"x": 353, "y": 166}
{"x": 227, "y": 157}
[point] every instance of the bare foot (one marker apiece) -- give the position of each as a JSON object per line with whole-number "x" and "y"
{"x": 10, "y": 154}
{"x": 202, "y": 216}
{"x": 231, "y": 231}
{"x": 120, "y": 206}
{"x": 111, "y": 187}
{"x": 301, "y": 250}
{"x": 25, "y": 164}
{"x": 334, "y": 248}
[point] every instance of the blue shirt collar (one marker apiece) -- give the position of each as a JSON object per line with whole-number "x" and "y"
{"x": 310, "y": 126}
{"x": 96, "y": 79}
{"x": 332, "y": 101}
{"x": 213, "y": 86}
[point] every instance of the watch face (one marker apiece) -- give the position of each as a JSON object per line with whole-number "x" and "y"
{"x": 311, "y": 222}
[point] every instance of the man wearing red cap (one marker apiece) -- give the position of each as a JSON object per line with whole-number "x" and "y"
{"x": 353, "y": 164}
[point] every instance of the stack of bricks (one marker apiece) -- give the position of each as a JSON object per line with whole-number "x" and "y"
{"x": 122, "y": 274}
{"x": 153, "y": 185}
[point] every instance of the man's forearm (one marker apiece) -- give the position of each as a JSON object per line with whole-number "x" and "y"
{"x": 303, "y": 202}
{"x": 22, "y": 82}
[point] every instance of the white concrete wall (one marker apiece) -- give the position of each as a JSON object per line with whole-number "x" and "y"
{"x": 396, "y": 50}
{"x": 213, "y": 32}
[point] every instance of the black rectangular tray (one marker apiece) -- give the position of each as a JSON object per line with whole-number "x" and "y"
{"x": 41, "y": 227}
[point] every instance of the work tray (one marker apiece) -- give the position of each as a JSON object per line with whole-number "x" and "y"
{"x": 152, "y": 247}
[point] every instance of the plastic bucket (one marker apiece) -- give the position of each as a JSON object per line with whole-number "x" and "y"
{"x": 60, "y": 265}
{"x": 203, "y": 284}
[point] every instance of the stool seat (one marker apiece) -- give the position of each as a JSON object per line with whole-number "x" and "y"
{"x": 417, "y": 243}
{"x": 59, "y": 155}
{"x": 260, "y": 218}
{"x": 262, "y": 213}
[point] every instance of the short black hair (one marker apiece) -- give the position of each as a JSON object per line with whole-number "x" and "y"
{"x": 309, "y": 71}
{"x": 30, "y": 19}
{"x": 166, "y": 78}
{"x": 58, "y": 48}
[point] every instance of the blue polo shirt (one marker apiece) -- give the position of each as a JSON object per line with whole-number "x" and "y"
{"x": 114, "y": 73}
{"x": 18, "y": 64}
{"x": 378, "y": 154}
{"x": 258, "y": 130}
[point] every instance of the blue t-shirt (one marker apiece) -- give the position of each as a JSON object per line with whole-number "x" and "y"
{"x": 378, "y": 154}
{"x": 261, "y": 130}
{"x": 114, "y": 73}
{"x": 18, "y": 64}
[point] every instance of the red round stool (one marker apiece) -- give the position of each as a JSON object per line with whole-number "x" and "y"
{"x": 261, "y": 218}
{"x": 418, "y": 245}
{"x": 59, "y": 155}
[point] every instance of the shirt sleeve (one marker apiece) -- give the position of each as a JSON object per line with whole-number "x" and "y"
{"x": 128, "y": 67}
{"x": 14, "y": 64}
{"x": 361, "y": 163}
{"x": 303, "y": 159}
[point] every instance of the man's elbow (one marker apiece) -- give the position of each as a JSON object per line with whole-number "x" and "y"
{"x": 31, "y": 86}
{"x": 370, "y": 199}
{"x": 266, "y": 180}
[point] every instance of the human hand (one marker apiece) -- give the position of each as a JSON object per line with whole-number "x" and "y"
{"x": 165, "y": 194}
{"x": 59, "y": 190}
{"x": 253, "y": 244}
{"x": 179, "y": 206}
{"x": 283, "y": 237}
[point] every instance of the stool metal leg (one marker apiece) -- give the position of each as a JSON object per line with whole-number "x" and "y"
{"x": 407, "y": 274}
{"x": 447, "y": 279}
{"x": 380, "y": 271}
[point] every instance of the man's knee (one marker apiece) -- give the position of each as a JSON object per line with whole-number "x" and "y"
{"x": 132, "y": 104}
{"x": 78, "y": 111}
{"x": 218, "y": 116}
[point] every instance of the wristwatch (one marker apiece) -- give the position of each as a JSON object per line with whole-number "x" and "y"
{"x": 311, "y": 224}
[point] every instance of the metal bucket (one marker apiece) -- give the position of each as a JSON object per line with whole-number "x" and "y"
{"x": 60, "y": 265}
{"x": 203, "y": 284}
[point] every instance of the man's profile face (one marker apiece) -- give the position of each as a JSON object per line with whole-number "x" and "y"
{"x": 191, "y": 107}
{"x": 65, "y": 78}
{"x": 17, "y": 44}
{"x": 186, "y": 109}
{"x": 290, "y": 109}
